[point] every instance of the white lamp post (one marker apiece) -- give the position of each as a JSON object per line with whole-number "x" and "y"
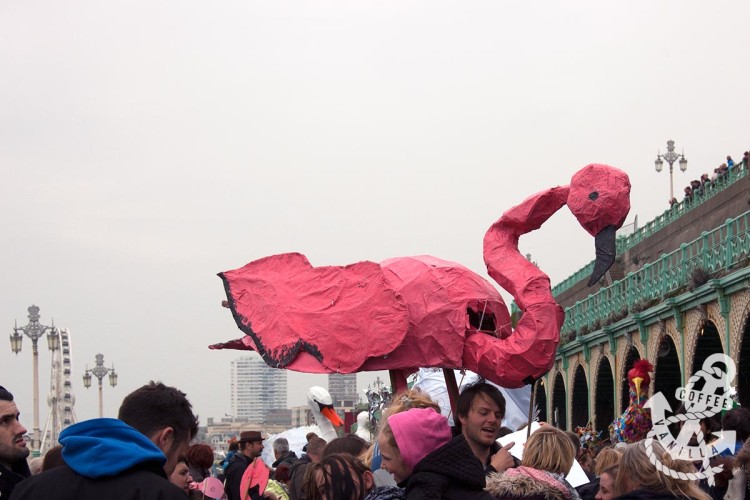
{"x": 670, "y": 157}
{"x": 34, "y": 330}
{"x": 99, "y": 371}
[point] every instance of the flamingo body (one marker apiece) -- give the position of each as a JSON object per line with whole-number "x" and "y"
{"x": 403, "y": 313}
{"x": 411, "y": 312}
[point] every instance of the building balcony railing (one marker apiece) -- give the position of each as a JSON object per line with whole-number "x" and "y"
{"x": 713, "y": 254}
{"x": 624, "y": 243}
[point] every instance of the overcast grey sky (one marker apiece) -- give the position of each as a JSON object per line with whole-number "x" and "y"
{"x": 147, "y": 146}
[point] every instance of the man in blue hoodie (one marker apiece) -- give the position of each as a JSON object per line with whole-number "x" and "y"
{"x": 121, "y": 459}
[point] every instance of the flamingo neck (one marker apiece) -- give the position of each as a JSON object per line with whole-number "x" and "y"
{"x": 505, "y": 264}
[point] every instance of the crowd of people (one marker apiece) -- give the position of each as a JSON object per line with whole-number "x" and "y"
{"x": 146, "y": 454}
{"x": 697, "y": 187}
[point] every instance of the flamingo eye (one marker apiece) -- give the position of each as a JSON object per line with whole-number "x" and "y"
{"x": 593, "y": 195}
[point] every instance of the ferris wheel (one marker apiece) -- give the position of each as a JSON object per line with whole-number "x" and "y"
{"x": 60, "y": 399}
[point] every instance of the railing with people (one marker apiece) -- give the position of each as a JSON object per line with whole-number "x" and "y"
{"x": 715, "y": 252}
{"x": 700, "y": 196}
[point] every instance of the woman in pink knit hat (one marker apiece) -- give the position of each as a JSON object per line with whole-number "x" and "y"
{"x": 407, "y": 437}
{"x": 416, "y": 447}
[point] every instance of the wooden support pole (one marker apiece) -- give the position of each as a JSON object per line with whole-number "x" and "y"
{"x": 398, "y": 381}
{"x": 531, "y": 410}
{"x": 452, "y": 386}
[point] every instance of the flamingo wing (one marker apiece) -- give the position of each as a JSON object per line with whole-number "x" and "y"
{"x": 315, "y": 319}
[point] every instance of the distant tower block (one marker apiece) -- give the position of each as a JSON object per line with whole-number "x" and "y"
{"x": 343, "y": 389}
{"x": 256, "y": 388}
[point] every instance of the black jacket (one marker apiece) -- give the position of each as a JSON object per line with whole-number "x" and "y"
{"x": 234, "y": 476}
{"x": 145, "y": 481}
{"x": 450, "y": 472}
{"x": 494, "y": 448}
{"x": 297, "y": 473}
{"x": 589, "y": 490}
{"x": 9, "y": 478}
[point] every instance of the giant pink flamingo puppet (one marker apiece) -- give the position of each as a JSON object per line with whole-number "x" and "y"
{"x": 412, "y": 312}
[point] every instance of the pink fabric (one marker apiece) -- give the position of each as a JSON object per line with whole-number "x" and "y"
{"x": 257, "y": 473}
{"x": 210, "y": 487}
{"x": 538, "y": 475}
{"x": 418, "y": 432}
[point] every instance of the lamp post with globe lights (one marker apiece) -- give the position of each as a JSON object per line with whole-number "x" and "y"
{"x": 35, "y": 330}
{"x": 670, "y": 157}
{"x": 99, "y": 371}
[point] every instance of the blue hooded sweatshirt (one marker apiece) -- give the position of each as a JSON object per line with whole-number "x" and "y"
{"x": 106, "y": 447}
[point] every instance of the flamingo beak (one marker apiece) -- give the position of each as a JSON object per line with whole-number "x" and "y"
{"x": 606, "y": 250}
{"x": 637, "y": 381}
{"x": 331, "y": 415}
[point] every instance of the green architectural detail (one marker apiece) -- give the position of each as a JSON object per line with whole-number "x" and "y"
{"x": 679, "y": 324}
{"x": 676, "y": 314}
{"x": 715, "y": 253}
{"x": 723, "y": 301}
{"x": 643, "y": 331}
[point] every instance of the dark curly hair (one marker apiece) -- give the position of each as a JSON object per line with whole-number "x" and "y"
{"x": 156, "y": 406}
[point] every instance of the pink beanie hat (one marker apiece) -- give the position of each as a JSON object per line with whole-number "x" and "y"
{"x": 418, "y": 432}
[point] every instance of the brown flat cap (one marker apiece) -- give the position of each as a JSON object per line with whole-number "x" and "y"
{"x": 250, "y": 436}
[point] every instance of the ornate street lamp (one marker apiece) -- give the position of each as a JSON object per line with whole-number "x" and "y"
{"x": 99, "y": 371}
{"x": 670, "y": 157}
{"x": 34, "y": 330}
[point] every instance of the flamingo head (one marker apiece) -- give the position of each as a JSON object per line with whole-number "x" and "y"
{"x": 600, "y": 200}
{"x": 320, "y": 402}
